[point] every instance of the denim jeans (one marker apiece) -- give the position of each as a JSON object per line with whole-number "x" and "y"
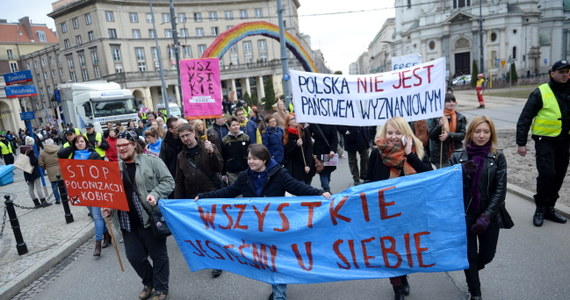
{"x": 100, "y": 228}
{"x": 279, "y": 291}
{"x": 325, "y": 176}
{"x": 55, "y": 190}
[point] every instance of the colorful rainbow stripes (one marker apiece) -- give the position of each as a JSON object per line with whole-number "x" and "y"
{"x": 225, "y": 40}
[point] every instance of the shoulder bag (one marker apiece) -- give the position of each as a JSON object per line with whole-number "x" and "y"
{"x": 22, "y": 162}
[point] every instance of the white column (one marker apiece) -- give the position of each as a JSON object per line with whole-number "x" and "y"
{"x": 260, "y": 88}
{"x": 247, "y": 86}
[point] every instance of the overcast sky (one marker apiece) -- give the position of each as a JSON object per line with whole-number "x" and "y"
{"x": 342, "y": 35}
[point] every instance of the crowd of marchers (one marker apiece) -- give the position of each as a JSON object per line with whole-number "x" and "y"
{"x": 254, "y": 154}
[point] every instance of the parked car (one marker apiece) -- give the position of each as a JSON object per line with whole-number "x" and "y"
{"x": 462, "y": 80}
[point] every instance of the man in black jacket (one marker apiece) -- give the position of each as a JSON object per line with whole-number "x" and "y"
{"x": 356, "y": 141}
{"x": 171, "y": 144}
{"x": 548, "y": 111}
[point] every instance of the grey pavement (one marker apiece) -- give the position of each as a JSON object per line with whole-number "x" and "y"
{"x": 50, "y": 240}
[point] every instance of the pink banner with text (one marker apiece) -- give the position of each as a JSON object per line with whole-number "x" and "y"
{"x": 201, "y": 88}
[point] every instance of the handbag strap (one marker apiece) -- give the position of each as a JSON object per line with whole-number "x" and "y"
{"x": 323, "y": 135}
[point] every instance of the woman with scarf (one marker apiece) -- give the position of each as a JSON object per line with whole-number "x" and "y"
{"x": 81, "y": 149}
{"x": 153, "y": 140}
{"x": 298, "y": 150}
{"x": 398, "y": 153}
{"x": 265, "y": 178}
{"x": 446, "y": 134}
{"x": 484, "y": 192}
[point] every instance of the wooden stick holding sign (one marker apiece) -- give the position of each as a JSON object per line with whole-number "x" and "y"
{"x": 114, "y": 242}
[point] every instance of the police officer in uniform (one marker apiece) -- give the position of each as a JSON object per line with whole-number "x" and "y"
{"x": 7, "y": 151}
{"x": 96, "y": 139}
{"x": 547, "y": 114}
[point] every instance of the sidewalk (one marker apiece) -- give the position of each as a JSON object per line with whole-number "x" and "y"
{"x": 49, "y": 239}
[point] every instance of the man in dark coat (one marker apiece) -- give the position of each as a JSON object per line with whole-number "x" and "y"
{"x": 171, "y": 144}
{"x": 356, "y": 141}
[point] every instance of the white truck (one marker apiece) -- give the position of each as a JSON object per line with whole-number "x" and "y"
{"x": 96, "y": 102}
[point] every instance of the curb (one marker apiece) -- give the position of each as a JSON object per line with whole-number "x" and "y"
{"x": 528, "y": 195}
{"x": 18, "y": 283}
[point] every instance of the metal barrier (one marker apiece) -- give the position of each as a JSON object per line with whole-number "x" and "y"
{"x": 20, "y": 244}
{"x": 64, "y": 200}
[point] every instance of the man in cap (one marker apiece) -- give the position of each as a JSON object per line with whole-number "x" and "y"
{"x": 547, "y": 114}
{"x": 96, "y": 139}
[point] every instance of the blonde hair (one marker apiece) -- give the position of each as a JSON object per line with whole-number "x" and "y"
{"x": 402, "y": 126}
{"x": 478, "y": 120}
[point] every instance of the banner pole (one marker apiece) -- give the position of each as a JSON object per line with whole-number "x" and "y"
{"x": 110, "y": 228}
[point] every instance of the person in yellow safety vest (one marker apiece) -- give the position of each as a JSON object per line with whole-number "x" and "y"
{"x": 96, "y": 139}
{"x": 547, "y": 114}
{"x": 7, "y": 151}
{"x": 479, "y": 86}
{"x": 291, "y": 107}
{"x": 70, "y": 134}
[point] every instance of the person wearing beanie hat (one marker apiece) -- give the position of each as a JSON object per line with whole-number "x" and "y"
{"x": 33, "y": 179}
{"x": 546, "y": 113}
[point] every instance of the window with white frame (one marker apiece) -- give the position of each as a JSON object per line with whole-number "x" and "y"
{"x": 81, "y": 58}
{"x": 258, "y": 12}
{"x": 213, "y": 15}
{"x": 142, "y": 66}
{"x": 66, "y": 44}
{"x": 248, "y": 51}
{"x": 112, "y": 33}
{"x": 13, "y": 66}
{"x": 136, "y": 33}
{"x": 243, "y": 13}
{"x": 229, "y": 15}
{"x": 84, "y": 75}
{"x": 461, "y": 3}
{"x": 214, "y": 31}
{"x": 72, "y": 76}
{"x": 199, "y": 31}
{"x": 41, "y": 36}
{"x": 197, "y": 17}
{"x": 151, "y": 33}
{"x": 165, "y": 17}
{"x": 262, "y": 48}
{"x": 168, "y": 32}
{"x": 94, "y": 57}
{"x": 187, "y": 51}
{"x": 116, "y": 51}
{"x": 88, "y": 18}
{"x": 109, "y": 16}
{"x": 42, "y": 62}
{"x": 181, "y": 18}
{"x": 78, "y": 40}
{"x": 75, "y": 23}
{"x": 201, "y": 49}
{"x": 10, "y": 53}
{"x": 46, "y": 76}
{"x": 63, "y": 26}
{"x": 90, "y": 36}
{"x": 70, "y": 63}
{"x": 61, "y": 75}
{"x": 184, "y": 32}
{"x": 134, "y": 17}
{"x": 149, "y": 18}
{"x": 139, "y": 53}
{"x": 97, "y": 72}
{"x": 118, "y": 68}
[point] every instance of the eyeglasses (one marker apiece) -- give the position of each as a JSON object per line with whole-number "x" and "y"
{"x": 121, "y": 146}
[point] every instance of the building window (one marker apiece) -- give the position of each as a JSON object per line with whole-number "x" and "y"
{"x": 197, "y": 17}
{"x": 214, "y": 31}
{"x": 94, "y": 57}
{"x": 187, "y": 51}
{"x": 82, "y": 62}
{"x": 258, "y": 12}
{"x": 493, "y": 36}
{"x": 139, "y": 53}
{"x": 184, "y": 32}
{"x": 90, "y": 36}
{"x": 229, "y": 15}
{"x": 142, "y": 66}
{"x": 70, "y": 63}
{"x": 136, "y": 33}
{"x": 84, "y": 75}
{"x": 10, "y": 53}
{"x": 118, "y": 68}
{"x": 514, "y": 56}
{"x": 134, "y": 17}
{"x": 97, "y": 72}
{"x": 50, "y": 59}
{"x": 112, "y": 33}
{"x": 243, "y": 14}
{"x": 66, "y": 44}
{"x": 165, "y": 17}
{"x": 88, "y": 19}
{"x": 201, "y": 49}
{"x": 41, "y": 36}
{"x": 75, "y": 23}
{"x": 42, "y": 62}
{"x": 431, "y": 45}
{"x": 109, "y": 16}
{"x": 13, "y": 66}
{"x": 247, "y": 50}
{"x": 61, "y": 74}
{"x": 52, "y": 72}
{"x": 199, "y": 31}
{"x": 213, "y": 16}
{"x": 262, "y": 48}
{"x": 182, "y": 18}
{"x": 152, "y": 33}
{"x": 168, "y": 32}
{"x": 72, "y": 76}
{"x": 63, "y": 26}
{"x": 461, "y": 3}
{"x": 149, "y": 18}
{"x": 234, "y": 49}
{"x": 78, "y": 40}
{"x": 46, "y": 76}
{"x": 116, "y": 53}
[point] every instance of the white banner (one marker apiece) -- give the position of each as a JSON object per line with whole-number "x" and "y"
{"x": 406, "y": 61}
{"x": 415, "y": 93}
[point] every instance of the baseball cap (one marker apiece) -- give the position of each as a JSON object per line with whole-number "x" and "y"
{"x": 89, "y": 125}
{"x": 69, "y": 131}
{"x": 561, "y": 64}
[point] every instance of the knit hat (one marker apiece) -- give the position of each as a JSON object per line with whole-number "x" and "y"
{"x": 30, "y": 141}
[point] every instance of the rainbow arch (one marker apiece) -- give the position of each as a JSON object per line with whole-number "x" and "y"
{"x": 229, "y": 37}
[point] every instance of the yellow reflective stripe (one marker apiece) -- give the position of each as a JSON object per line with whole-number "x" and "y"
{"x": 547, "y": 121}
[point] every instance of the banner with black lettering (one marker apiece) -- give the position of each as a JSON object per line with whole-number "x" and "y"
{"x": 381, "y": 229}
{"x": 414, "y": 93}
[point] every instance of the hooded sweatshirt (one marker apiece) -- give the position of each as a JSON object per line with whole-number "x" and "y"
{"x": 49, "y": 161}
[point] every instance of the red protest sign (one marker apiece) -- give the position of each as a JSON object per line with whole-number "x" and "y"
{"x": 94, "y": 183}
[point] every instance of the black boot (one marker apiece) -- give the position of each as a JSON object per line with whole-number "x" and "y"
{"x": 97, "y": 251}
{"x": 37, "y": 203}
{"x": 538, "y": 217}
{"x": 551, "y": 214}
{"x": 106, "y": 240}
{"x": 44, "y": 202}
{"x": 405, "y": 285}
{"x": 398, "y": 292}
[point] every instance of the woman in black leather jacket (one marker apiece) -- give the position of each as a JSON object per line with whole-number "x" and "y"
{"x": 484, "y": 191}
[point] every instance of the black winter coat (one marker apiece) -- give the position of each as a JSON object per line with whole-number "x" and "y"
{"x": 357, "y": 138}
{"x": 377, "y": 170}
{"x": 294, "y": 156}
{"x": 278, "y": 182}
{"x": 198, "y": 176}
{"x": 457, "y": 137}
{"x": 492, "y": 185}
{"x": 326, "y": 140}
{"x": 169, "y": 150}
{"x": 33, "y": 161}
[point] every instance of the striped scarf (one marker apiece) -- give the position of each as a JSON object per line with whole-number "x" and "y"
{"x": 393, "y": 156}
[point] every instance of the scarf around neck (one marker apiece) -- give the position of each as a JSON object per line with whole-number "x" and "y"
{"x": 478, "y": 155}
{"x": 393, "y": 156}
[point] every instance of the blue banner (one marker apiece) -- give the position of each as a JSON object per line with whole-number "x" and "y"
{"x": 376, "y": 230}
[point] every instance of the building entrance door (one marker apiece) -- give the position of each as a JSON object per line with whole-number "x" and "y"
{"x": 462, "y": 63}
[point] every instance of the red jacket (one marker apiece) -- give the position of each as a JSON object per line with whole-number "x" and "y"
{"x": 111, "y": 152}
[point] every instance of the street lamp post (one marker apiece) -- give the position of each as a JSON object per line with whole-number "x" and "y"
{"x": 481, "y": 66}
{"x": 284, "y": 54}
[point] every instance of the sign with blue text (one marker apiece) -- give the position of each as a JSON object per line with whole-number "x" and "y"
{"x": 414, "y": 93}
{"x": 18, "y": 77}
{"x": 21, "y": 91}
{"x": 27, "y": 115}
{"x": 381, "y": 229}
